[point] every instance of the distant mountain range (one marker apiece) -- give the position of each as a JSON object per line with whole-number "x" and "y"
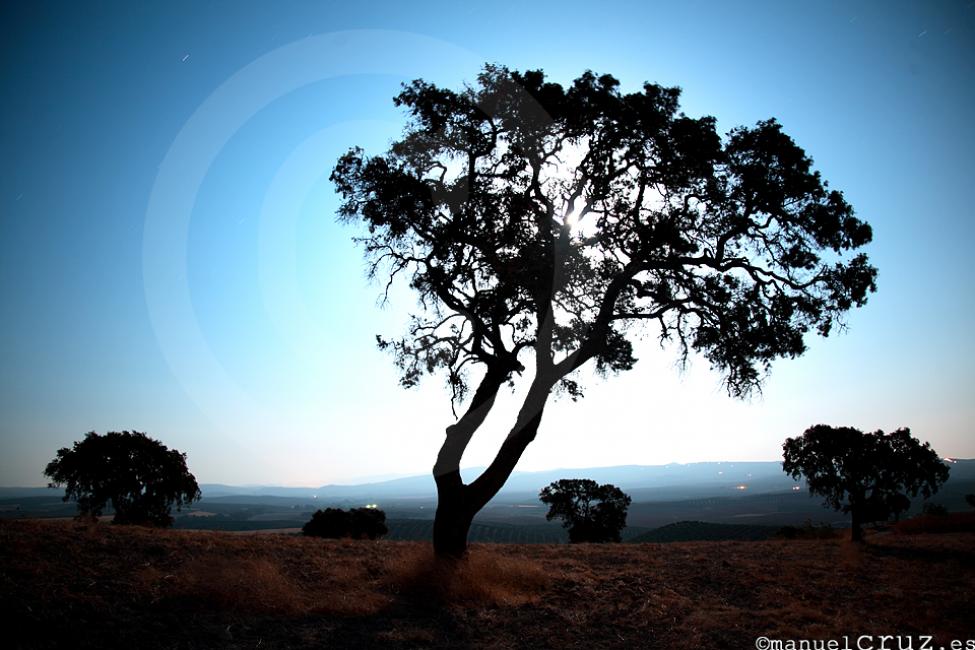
{"x": 646, "y": 479}
{"x": 642, "y": 482}
{"x": 737, "y": 500}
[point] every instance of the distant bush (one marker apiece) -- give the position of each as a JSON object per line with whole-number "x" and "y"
{"x": 808, "y": 530}
{"x": 368, "y": 523}
{"x": 934, "y": 510}
{"x": 357, "y": 523}
{"x": 591, "y": 512}
{"x": 331, "y": 522}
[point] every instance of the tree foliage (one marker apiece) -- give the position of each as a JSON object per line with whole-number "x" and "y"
{"x": 138, "y": 476}
{"x": 357, "y": 523}
{"x": 869, "y": 475}
{"x": 591, "y": 512}
{"x": 529, "y": 215}
{"x": 549, "y": 226}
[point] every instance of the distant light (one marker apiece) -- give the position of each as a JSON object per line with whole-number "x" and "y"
{"x": 314, "y": 496}
{"x": 720, "y": 473}
{"x": 372, "y": 505}
{"x": 741, "y": 487}
{"x": 949, "y": 460}
{"x": 796, "y": 488}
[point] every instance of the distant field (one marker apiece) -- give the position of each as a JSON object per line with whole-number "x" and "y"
{"x": 399, "y": 530}
{"x": 64, "y": 585}
{"x": 688, "y": 531}
{"x": 747, "y": 516}
{"x": 422, "y": 529}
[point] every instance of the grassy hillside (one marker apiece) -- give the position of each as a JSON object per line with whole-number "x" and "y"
{"x": 64, "y": 584}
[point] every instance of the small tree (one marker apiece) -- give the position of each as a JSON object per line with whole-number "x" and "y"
{"x": 868, "y": 475}
{"x": 357, "y": 523}
{"x": 139, "y": 476}
{"x": 591, "y": 512}
{"x": 542, "y": 225}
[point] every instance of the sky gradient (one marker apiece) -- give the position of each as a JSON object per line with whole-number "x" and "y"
{"x": 170, "y": 260}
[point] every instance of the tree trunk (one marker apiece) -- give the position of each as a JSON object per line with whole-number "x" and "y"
{"x": 454, "y": 514}
{"x": 856, "y": 525}
{"x": 457, "y": 503}
{"x": 453, "y": 519}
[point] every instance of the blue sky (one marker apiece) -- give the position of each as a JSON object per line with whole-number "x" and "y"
{"x": 170, "y": 261}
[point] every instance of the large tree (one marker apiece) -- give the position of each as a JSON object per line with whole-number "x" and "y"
{"x": 868, "y": 475}
{"x": 141, "y": 478}
{"x": 541, "y": 225}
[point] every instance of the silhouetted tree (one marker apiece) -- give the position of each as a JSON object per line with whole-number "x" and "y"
{"x": 549, "y": 221}
{"x": 358, "y": 523}
{"x": 591, "y": 512}
{"x": 970, "y": 499}
{"x": 330, "y": 522}
{"x": 139, "y": 476}
{"x": 868, "y": 475}
{"x": 934, "y": 510}
{"x": 368, "y": 523}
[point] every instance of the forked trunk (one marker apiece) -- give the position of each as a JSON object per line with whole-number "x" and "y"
{"x": 457, "y": 503}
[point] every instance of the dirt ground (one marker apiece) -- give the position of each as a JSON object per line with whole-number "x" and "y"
{"x": 64, "y": 584}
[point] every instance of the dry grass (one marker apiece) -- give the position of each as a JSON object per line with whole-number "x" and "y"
{"x": 68, "y": 585}
{"x": 953, "y": 522}
{"x": 486, "y": 578}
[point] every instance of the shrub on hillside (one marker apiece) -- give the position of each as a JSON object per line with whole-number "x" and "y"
{"x": 367, "y": 523}
{"x": 357, "y": 523}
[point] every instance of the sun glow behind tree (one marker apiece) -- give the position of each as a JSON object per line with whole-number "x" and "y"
{"x": 733, "y": 248}
{"x": 290, "y": 323}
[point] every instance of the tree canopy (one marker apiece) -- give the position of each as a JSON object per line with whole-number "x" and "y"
{"x": 591, "y": 512}
{"x": 138, "y": 476}
{"x": 546, "y": 225}
{"x": 868, "y": 475}
{"x": 532, "y": 216}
